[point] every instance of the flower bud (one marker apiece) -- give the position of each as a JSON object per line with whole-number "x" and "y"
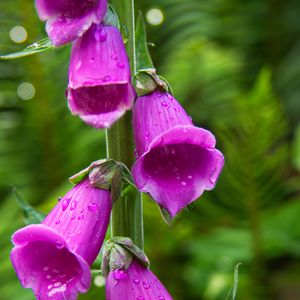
{"x": 54, "y": 258}
{"x": 99, "y": 88}
{"x": 177, "y": 161}
{"x": 69, "y": 19}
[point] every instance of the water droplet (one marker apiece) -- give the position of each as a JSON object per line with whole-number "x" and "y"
{"x": 57, "y": 222}
{"x": 78, "y": 65}
{"x": 146, "y": 285}
{"x": 114, "y": 56}
{"x": 59, "y": 245}
{"x": 136, "y": 153}
{"x": 106, "y": 78}
{"x": 57, "y": 284}
{"x": 93, "y": 207}
{"x": 100, "y": 35}
{"x": 190, "y": 176}
{"x": 50, "y": 286}
{"x": 65, "y": 203}
{"x": 165, "y": 104}
{"x": 136, "y": 280}
{"x": 119, "y": 274}
{"x": 80, "y": 217}
{"x": 73, "y": 205}
{"x": 121, "y": 65}
{"x": 183, "y": 183}
{"x": 212, "y": 181}
{"x": 85, "y": 27}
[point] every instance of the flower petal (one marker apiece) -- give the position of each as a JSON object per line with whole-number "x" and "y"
{"x": 137, "y": 282}
{"x": 100, "y": 89}
{"x": 44, "y": 262}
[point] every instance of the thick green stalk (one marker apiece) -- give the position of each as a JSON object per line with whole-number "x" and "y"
{"x": 127, "y": 216}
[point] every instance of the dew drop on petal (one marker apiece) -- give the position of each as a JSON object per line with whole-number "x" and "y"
{"x": 57, "y": 284}
{"x": 59, "y": 245}
{"x": 100, "y": 35}
{"x": 136, "y": 153}
{"x": 119, "y": 274}
{"x": 136, "y": 280}
{"x": 73, "y": 205}
{"x": 121, "y": 65}
{"x": 114, "y": 56}
{"x": 93, "y": 207}
{"x": 183, "y": 183}
{"x": 146, "y": 285}
{"x": 65, "y": 203}
{"x": 190, "y": 177}
{"x": 165, "y": 104}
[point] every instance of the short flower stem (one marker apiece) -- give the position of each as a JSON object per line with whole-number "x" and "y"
{"x": 127, "y": 214}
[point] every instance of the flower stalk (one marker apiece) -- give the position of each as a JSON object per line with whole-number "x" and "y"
{"x": 127, "y": 218}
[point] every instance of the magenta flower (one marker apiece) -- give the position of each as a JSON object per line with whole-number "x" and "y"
{"x": 177, "y": 161}
{"x": 69, "y": 19}
{"x": 100, "y": 89}
{"x": 137, "y": 282}
{"x": 53, "y": 258}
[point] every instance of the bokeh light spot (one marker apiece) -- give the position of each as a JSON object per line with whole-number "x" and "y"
{"x": 154, "y": 16}
{"x": 26, "y": 91}
{"x": 18, "y": 34}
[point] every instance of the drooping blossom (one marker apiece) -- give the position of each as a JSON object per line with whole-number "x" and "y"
{"x": 54, "y": 258}
{"x": 137, "y": 282}
{"x": 69, "y": 19}
{"x": 177, "y": 161}
{"x": 99, "y": 88}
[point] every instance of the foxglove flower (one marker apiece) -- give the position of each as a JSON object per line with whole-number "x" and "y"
{"x": 177, "y": 161}
{"x": 137, "y": 282}
{"x": 69, "y": 19}
{"x": 100, "y": 89}
{"x": 53, "y": 258}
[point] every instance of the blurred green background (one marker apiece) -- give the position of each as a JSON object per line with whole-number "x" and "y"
{"x": 235, "y": 66}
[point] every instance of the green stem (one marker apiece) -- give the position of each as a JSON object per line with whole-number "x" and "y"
{"x": 127, "y": 215}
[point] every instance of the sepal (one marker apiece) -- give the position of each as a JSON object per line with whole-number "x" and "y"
{"x": 112, "y": 18}
{"x": 118, "y": 254}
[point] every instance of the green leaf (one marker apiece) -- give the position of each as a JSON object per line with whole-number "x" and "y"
{"x": 111, "y": 17}
{"x": 232, "y": 292}
{"x": 143, "y": 58}
{"x": 31, "y": 215}
{"x": 41, "y": 46}
{"x": 166, "y": 216}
